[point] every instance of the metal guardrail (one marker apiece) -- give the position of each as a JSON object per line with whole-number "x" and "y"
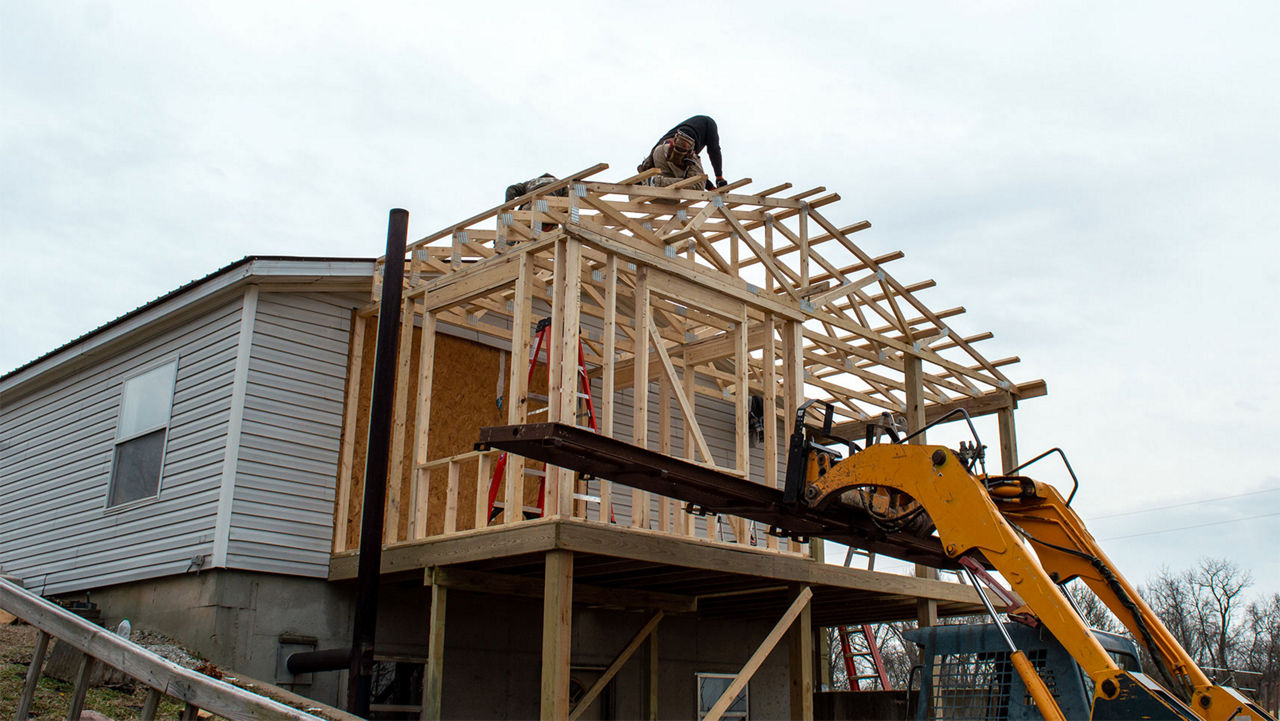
{"x": 163, "y": 677}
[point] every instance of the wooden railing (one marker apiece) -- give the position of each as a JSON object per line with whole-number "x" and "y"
{"x": 162, "y": 677}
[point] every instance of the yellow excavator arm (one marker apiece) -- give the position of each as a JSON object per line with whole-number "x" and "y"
{"x": 1027, "y": 532}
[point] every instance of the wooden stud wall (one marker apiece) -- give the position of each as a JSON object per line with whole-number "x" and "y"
{"x": 719, "y": 294}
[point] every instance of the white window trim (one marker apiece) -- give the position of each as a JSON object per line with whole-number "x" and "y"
{"x": 164, "y": 450}
{"x": 697, "y": 694}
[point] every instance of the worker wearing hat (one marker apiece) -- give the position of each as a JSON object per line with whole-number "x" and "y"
{"x": 675, "y": 155}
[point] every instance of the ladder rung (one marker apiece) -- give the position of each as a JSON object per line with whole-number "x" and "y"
{"x": 537, "y": 397}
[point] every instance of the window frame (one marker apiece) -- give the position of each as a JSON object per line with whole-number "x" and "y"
{"x": 699, "y": 676}
{"x": 119, "y": 439}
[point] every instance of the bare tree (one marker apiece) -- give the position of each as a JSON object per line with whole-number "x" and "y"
{"x": 1261, "y": 652}
{"x": 1219, "y": 585}
{"x": 1095, "y": 612}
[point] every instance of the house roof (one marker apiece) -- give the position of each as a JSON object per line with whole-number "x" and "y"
{"x": 244, "y": 270}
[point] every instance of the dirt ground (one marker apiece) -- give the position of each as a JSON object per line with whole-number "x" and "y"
{"x": 17, "y": 643}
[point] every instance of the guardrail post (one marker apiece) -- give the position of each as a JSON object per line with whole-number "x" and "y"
{"x": 33, "y": 677}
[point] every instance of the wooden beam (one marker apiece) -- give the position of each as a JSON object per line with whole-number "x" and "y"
{"x": 557, "y": 615}
{"x": 643, "y": 318}
{"x": 502, "y": 584}
{"x": 753, "y": 664}
{"x": 623, "y": 656}
{"x": 984, "y": 404}
{"x": 690, "y": 420}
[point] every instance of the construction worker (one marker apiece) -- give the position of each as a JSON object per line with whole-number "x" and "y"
{"x": 675, "y": 155}
{"x": 515, "y": 190}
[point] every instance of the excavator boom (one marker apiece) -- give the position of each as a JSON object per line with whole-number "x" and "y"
{"x": 1026, "y": 531}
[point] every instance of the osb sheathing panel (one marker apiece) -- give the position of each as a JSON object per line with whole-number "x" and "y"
{"x": 464, "y": 395}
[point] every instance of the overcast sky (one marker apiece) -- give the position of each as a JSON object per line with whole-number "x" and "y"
{"x": 1097, "y": 183}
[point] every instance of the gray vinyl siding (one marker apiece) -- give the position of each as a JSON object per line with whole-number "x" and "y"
{"x": 56, "y": 446}
{"x": 282, "y": 509}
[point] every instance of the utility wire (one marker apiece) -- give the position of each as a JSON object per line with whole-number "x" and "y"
{"x": 1181, "y": 505}
{"x": 1198, "y": 525}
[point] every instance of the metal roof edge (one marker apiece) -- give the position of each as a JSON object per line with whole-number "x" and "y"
{"x": 238, "y": 272}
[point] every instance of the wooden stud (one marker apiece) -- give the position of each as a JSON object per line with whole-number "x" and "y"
{"x": 518, "y": 395}
{"x": 688, "y": 525}
{"x": 643, "y": 318}
{"x": 33, "y": 677}
{"x": 451, "y": 499}
{"x": 753, "y": 664}
{"x": 433, "y": 674}
{"x": 741, "y": 396}
{"x": 769, "y": 379}
{"x": 350, "y": 408}
{"x": 399, "y": 423}
{"x": 484, "y": 474}
{"x": 664, "y": 444}
{"x": 190, "y": 712}
{"x": 1008, "y": 439}
{"x": 422, "y": 422}
{"x": 623, "y": 656}
{"x": 557, "y": 614}
{"x": 926, "y": 609}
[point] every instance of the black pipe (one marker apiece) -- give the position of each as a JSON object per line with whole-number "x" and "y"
{"x": 375, "y": 469}
{"x": 329, "y": 659}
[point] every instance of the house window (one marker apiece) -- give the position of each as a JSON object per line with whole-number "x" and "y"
{"x": 140, "y": 435}
{"x": 710, "y": 688}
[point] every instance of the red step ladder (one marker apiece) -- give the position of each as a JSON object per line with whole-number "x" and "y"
{"x": 541, "y": 338}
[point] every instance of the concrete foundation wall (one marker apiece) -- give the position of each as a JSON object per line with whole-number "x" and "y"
{"x": 492, "y": 643}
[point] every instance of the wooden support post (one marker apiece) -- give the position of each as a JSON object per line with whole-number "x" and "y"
{"x": 190, "y": 712}
{"x": 518, "y": 393}
{"x": 640, "y": 389}
{"x": 150, "y": 705}
{"x": 422, "y": 422}
{"x": 612, "y": 670}
{"x": 1008, "y": 439}
{"x": 801, "y": 665}
{"x": 433, "y": 675}
{"x": 655, "y": 669}
{"x": 565, "y": 379}
{"x": 33, "y": 677}
{"x": 913, "y": 379}
{"x": 557, "y": 614}
{"x": 753, "y": 664}
{"x": 81, "y": 687}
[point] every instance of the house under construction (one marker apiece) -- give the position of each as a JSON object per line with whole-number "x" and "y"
{"x": 654, "y": 316}
{"x": 684, "y": 324}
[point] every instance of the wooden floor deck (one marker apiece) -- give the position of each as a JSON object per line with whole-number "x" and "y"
{"x": 627, "y": 567}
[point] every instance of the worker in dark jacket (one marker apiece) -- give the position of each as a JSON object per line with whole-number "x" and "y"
{"x": 675, "y": 154}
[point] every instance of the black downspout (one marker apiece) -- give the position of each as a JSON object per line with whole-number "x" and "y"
{"x": 375, "y": 470}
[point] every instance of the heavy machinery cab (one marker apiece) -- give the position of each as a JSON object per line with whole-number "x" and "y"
{"x": 965, "y": 672}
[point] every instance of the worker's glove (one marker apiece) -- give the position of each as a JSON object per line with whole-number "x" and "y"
{"x": 721, "y": 182}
